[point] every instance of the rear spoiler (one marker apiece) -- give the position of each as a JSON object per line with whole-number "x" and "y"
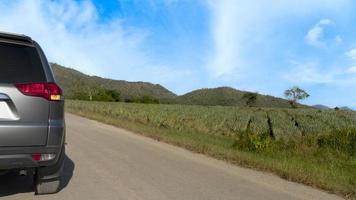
{"x": 15, "y": 38}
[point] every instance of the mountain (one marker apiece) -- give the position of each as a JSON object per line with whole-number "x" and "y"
{"x": 73, "y": 81}
{"x": 345, "y": 108}
{"x": 77, "y": 85}
{"x": 321, "y": 107}
{"x": 227, "y": 96}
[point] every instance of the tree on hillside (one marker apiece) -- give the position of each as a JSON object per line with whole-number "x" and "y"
{"x": 251, "y": 98}
{"x": 147, "y": 99}
{"x": 295, "y": 94}
{"x": 114, "y": 95}
{"x": 106, "y": 95}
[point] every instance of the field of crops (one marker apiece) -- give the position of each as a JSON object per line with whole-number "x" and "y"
{"x": 227, "y": 121}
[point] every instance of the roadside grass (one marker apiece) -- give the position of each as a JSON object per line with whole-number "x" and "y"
{"x": 326, "y": 161}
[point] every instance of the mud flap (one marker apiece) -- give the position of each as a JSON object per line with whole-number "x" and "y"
{"x": 51, "y": 172}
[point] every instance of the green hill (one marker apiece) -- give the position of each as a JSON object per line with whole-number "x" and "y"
{"x": 78, "y": 85}
{"x": 73, "y": 81}
{"x": 227, "y": 96}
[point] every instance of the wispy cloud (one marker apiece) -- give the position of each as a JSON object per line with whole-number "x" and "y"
{"x": 338, "y": 39}
{"x": 352, "y": 69}
{"x": 351, "y": 54}
{"x": 237, "y": 25}
{"x": 315, "y": 35}
{"x": 71, "y": 34}
{"x": 227, "y": 38}
{"x": 309, "y": 72}
{"x": 313, "y": 73}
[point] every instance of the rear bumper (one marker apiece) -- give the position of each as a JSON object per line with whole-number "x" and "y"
{"x": 44, "y": 170}
{"x": 16, "y": 162}
{"x": 21, "y": 158}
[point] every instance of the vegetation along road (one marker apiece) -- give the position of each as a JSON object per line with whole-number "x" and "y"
{"x": 105, "y": 162}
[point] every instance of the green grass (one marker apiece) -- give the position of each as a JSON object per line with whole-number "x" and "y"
{"x": 314, "y": 147}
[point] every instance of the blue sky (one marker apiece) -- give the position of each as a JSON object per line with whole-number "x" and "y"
{"x": 262, "y": 46}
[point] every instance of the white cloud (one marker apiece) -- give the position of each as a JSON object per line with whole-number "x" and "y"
{"x": 338, "y": 39}
{"x": 308, "y": 72}
{"x": 352, "y": 69}
{"x": 325, "y": 22}
{"x": 237, "y": 24}
{"x": 71, "y": 35}
{"x": 312, "y": 73}
{"x": 351, "y": 54}
{"x": 315, "y": 35}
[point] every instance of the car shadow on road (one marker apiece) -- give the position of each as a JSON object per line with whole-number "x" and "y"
{"x": 12, "y": 183}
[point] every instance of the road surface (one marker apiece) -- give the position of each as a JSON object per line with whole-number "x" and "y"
{"x": 104, "y": 162}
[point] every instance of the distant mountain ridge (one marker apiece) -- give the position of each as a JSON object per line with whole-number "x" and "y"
{"x": 323, "y": 107}
{"x": 346, "y": 108}
{"x": 72, "y": 81}
{"x": 227, "y": 96}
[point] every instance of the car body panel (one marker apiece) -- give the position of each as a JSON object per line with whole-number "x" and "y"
{"x": 30, "y": 125}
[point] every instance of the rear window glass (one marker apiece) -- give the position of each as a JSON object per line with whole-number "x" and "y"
{"x": 20, "y": 64}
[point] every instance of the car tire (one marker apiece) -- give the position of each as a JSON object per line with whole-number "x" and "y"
{"x": 47, "y": 179}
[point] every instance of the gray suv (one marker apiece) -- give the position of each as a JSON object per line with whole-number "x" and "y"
{"x": 32, "y": 126}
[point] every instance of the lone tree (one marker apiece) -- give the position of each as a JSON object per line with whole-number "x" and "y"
{"x": 295, "y": 94}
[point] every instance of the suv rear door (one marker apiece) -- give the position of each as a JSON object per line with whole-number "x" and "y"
{"x": 23, "y": 119}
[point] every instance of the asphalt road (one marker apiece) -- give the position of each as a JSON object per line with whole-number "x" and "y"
{"x": 104, "y": 162}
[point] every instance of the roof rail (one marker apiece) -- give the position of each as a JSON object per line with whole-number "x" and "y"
{"x": 14, "y": 36}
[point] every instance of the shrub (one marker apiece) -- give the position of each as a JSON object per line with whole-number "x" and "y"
{"x": 248, "y": 141}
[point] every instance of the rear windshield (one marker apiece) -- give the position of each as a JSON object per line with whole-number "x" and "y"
{"x": 20, "y": 64}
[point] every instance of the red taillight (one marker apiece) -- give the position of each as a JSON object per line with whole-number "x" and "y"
{"x": 49, "y": 91}
{"x": 43, "y": 157}
{"x": 36, "y": 157}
